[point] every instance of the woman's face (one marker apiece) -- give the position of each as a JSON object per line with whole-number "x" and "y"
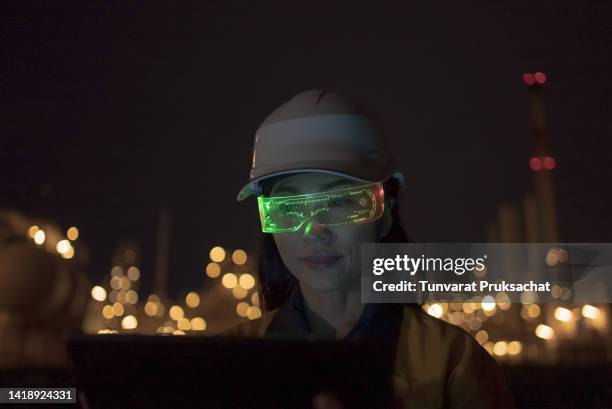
{"x": 323, "y": 258}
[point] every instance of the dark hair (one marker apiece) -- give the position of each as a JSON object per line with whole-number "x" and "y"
{"x": 275, "y": 279}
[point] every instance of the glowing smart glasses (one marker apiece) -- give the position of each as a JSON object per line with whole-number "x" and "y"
{"x": 358, "y": 204}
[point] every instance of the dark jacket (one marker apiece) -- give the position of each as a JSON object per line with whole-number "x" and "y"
{"x": 437, "y": 365}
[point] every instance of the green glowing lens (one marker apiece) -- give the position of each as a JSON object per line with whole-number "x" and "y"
{"x": 357, "y": 204}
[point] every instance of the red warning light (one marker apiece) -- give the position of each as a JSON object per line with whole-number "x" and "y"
{"x": 540, "y": 77}
{"x": 528, "y": 78}
{"x": 549, "y": 163}
{"x": 535, "y": 164}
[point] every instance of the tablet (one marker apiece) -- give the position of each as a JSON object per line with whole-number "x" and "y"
{"x": 138, "y": 371}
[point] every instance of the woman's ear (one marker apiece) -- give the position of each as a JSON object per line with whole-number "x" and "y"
{"x": 385, "y": 222}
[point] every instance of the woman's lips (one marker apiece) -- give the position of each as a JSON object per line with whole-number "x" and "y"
{"x": 320, "y": 261}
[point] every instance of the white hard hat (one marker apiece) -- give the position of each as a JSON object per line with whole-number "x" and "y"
{"x": 319, "y": 131}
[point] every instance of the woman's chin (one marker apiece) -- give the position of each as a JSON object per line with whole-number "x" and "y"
{"x": 324, "y": 281}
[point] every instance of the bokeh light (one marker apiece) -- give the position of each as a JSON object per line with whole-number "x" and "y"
{"x": 39, "y": 237}
{"x": 129, "y": 322}
{"x": 253, "y": 312}
{"x": 133, "y": 273}
{"x": 98, "y": 293}
{"x": 229, "y": 280}
{"x": 239, "y": 293}
{"x": 241, "y": 308}
{"x": 239, "y": 257}
{"x": 544, "y": 332}
{"x": 72, "y": 233}
{"x": 32, "y": 231}
{"x": 176, "y": 312}
{"x": 247, "y": 281}
{"x": 217, "y": 254}
{"x": 198, "y": 324}
{"x": 192, "y": 299}
{"x": 588, "y": 311}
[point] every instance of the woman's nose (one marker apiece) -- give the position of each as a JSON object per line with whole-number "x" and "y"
{"x": 314, "y": 231}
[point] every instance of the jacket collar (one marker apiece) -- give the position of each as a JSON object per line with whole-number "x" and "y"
{"x": 376, "y": 320}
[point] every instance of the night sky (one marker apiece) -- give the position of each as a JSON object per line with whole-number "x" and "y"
{"x": 110, "y": 113}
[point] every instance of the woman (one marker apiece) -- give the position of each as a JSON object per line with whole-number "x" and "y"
{"x": 326, "y": 184}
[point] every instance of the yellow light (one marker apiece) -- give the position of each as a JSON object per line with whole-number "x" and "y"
{"x": 488, "y": 303}
{"x": 69, "y": 254}
{"x": 455, "y": 318}
{"x": 588, "y": 311}
{"x": 125, "y": 283}
{"x": 239, "y": 257}
{"x": 176, "y": 312}
{"x": 183, "y": 324}
{"x": 150, "y": 309}
{"x": 107, "y": 331}
{"x": 503, "y": 301}
{"x": 98, "y": 293}
{"x": 239, "y": 292}
{"x": 229, "y": 280}
{"x": 435, "y": 310}
{"x": 72, "y": 233}
{"x": 198, "y": 324}
{"x": 63, "y": 246}
{"x": 528, "y": 297}
{"x": 489, "y": 347}
{"x": 129, "y": 322}
{"x": 247, "y": 281}
{"x": 116, "y": 271}
{"x": 475, "y": 324}
{"x": 255, "y": 299}
{"x": 122, "y": 297}
{"x": 39, "y": 237}
{"x": 552, "y": 258}
{"x": 563, "y": 314}
{"x": 482, "y": 337}
{"x": 107, "y": 312}
{"x": 253, "y": 312}
{"x": 192, "y": 299}
{"x": 132, "y": 297}
{"x": 241, "y": 308}
{"x": 544, "y": 332}
{"x": 154, "y": 298}
{"x": 118, "y": 309}
{"x": 467, "y": 307}
{"x": 515, "y": 348}
{"x": 500, "y": 348}
{"x": 213, "y": 270}
{"x": 217, "y": 254}
{"x": 115, "y": 283}
{"x": 178, "y": 332}
{"x": 133, "y": 273}
{"x": 32, "y": 231}
{"x": 533, "y": 311}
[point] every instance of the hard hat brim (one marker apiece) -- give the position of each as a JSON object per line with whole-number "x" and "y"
{"x": 254, "y": 187}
